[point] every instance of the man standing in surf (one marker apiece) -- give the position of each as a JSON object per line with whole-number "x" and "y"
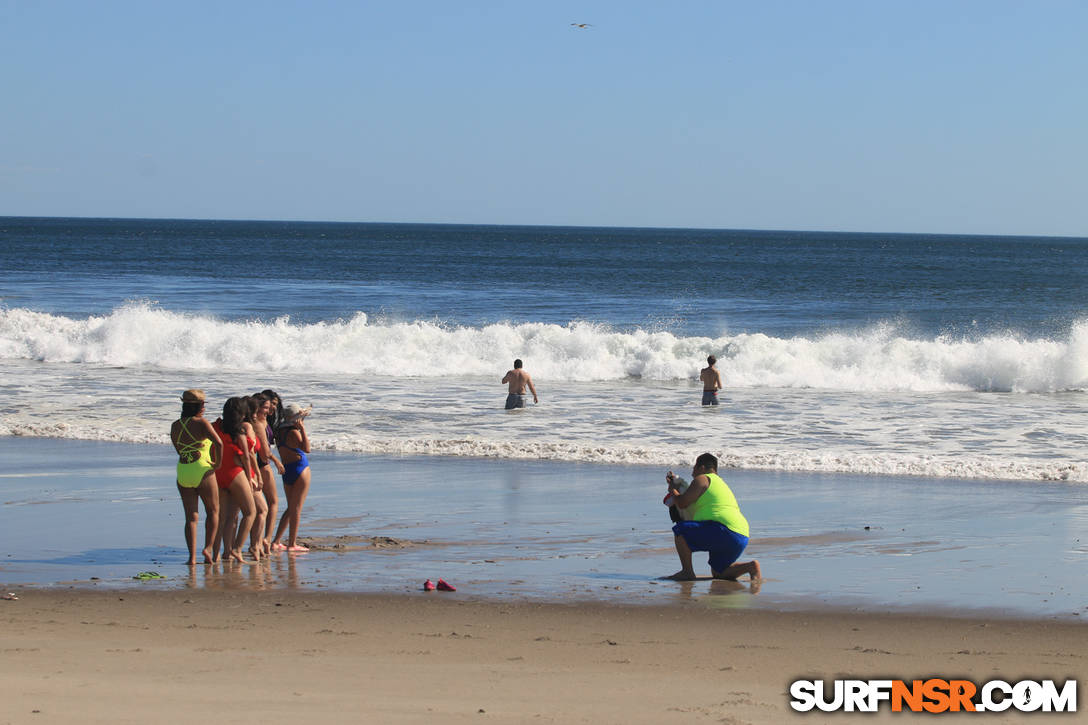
{"x": 518, "y": 379}
{"x": 717, "y": 526}
{"x": 712, "y": 381}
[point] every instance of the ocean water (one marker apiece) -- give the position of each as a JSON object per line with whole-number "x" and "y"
{"x": 928, "y": 356}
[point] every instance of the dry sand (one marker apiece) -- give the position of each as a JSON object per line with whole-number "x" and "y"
{"x": 211, "y": 656}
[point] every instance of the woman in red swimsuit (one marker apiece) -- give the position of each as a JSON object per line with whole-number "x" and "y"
{"x": 254, "y": 438}
{"x": 234, "y": 477}
{"x": 267, "y": 403}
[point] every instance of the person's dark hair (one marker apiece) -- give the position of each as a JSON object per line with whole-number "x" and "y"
{"x": 710, "y": 359}
{"x": 517, "y": 364}
{"x": 188, "y": 410}
{"x": 250, "y": 406}
{"x": 707, "y": 460}
{"x": 276, "y": 414}
{"x": 233, "y": 415}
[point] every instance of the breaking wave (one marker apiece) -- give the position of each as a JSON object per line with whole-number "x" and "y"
{"x": 879, "y": 358}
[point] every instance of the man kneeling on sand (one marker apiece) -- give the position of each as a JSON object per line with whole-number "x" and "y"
{"x": 716, "y": 524}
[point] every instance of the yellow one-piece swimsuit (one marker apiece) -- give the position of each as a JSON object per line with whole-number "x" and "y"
{"x": 198, "y": 456}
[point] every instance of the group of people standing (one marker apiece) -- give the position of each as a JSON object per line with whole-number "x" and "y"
{"x": 231, "y": 461}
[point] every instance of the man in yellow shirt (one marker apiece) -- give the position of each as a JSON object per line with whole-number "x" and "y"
{"x": 716, "y": 524}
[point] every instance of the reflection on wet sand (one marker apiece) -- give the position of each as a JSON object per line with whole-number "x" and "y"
{"x": 273, "y": 573}
{"x": 716, "y": 593}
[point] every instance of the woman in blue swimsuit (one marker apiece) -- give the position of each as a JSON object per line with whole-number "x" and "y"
{"x": 293, "y": 445}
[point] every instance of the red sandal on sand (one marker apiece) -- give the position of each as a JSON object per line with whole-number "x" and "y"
{"x": 428, "y": 586}
{"x": 444, "y": 586}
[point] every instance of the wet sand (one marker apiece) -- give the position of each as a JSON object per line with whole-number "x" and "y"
{"x": 553, "y": 531}
{"x": 277, "y": 657}
{"x": 559, "y": 615}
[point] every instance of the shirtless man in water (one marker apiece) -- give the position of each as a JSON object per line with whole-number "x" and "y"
{"x": 712, "y": 381}
{"x": 518, "y": 378}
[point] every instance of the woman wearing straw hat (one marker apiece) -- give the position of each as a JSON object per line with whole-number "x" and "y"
{"x": 199, "y": 449}
{"x": 293, "y": 444}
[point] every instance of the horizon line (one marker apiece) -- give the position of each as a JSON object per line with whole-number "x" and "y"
{"x": 551, "y": 226}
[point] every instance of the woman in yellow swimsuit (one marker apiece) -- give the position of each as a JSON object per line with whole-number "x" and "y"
{"x": 199, "y": 450}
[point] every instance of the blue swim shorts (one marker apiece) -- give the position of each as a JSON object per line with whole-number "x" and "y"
{"x": 710, "y": 397}
{"x": 724, "y": 544}
{"x": 513, "y": 400}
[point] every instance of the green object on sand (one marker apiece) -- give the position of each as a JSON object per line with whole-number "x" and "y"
{"x": 145, "y": 575}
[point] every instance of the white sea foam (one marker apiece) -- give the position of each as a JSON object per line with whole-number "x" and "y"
{"x": 1037, "y": 437}
{"x": 851, "y": 462}
{"x": 874, "y": 402}
{"x": 876, "y": 359}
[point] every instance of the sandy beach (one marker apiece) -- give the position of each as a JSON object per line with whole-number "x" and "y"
{"x": 149, "y": 657}
{"x": 559, "y": 615}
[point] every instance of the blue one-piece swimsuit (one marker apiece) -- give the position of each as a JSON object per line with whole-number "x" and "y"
{"x": 291, "y": 471}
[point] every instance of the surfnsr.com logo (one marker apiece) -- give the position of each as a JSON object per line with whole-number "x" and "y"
{"x": 933, "y": 695}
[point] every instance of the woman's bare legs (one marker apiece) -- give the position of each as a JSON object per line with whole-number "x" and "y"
{"x": 242, "y": 494}
{"x": 287, "y": 488}
{"x": 209, "y": 494}
{"x": 272, "y": 498}
{"x": 301, "y": 488}
{"x": 190, "y": 502}
{"x": 256, "y": 539}
{"x": 227, "y": 515}
{"x": 296, "y": 497}
{"x": 276, "y": 545}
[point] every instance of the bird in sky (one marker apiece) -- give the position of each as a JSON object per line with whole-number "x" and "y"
{"x": 582, "y": 25}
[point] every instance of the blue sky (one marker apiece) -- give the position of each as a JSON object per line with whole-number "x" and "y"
{"x": 923, "y": 116}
